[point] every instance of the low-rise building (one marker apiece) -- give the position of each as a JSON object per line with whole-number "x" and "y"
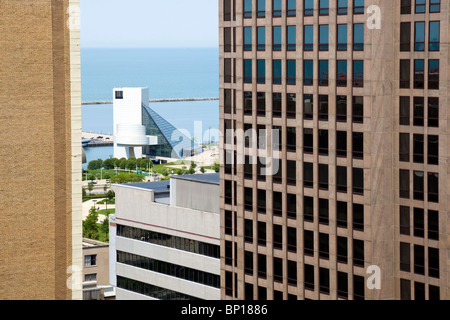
{"x": 165, "y": 239}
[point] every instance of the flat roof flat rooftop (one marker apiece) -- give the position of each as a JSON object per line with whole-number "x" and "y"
{"x": 213, "y": 178}
{"x": 156, "y": 186}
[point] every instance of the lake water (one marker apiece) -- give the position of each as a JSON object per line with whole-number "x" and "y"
{"x": 168, "y": 73}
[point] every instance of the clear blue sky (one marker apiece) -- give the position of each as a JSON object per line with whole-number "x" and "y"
{"x": 149, "y": 23}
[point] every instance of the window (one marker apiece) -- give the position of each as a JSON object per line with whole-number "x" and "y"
{"x": 324, "y": 246}
{"x": 308, "y": 37}
{"x": 308, "y": 140}
{"x": 405, "y": 77}
{"x": 291, "y": 172}
{"x": 277, "y": 269}
{"x": 308, "y": 208}
{"x": 405, "y": 36}
{"x": 435, "y": 6}
{"x": 418, "y": 187}
{"x": 418, "y": 112}
{"x": 404, "y": 147}
{"x": 323, "y": 142}
{"x": 341, "y": 179}
{"x": 291, "y": 8}
{"x": 433, "y": 149}
{"x": 309, "y": 277}
{"x": 228, "y": 223}
{"x": 248, "y": 199}
{"x": 419, "y": 259}
{"x": 324, "y": 281}
{"x": 419, "y": 291}
{"x": 405, "y": 7}
{"x": 358, "y": 110}
{"x": 342, "y": 7}
{"x": 342, "y": 285}
{"x": 291, "y": 72}
{"x": 419, "y": 69}
{"x": 405, "y": 257}
{"x": 359, "y": 286}
{"x": 228, "y": 192}
{"x": 308, "y": 72}
{"x": 291, "y": 107}
{"x": 228, "y": 283}
{"x": 433, "y": 112}
{"x": 358, "y": 73}
{"x": 419, "y": 223}
{"x": 248, "y": 71}
{"x": 341, "y": 214}
{"x": 405, "y": 111}
{"x": 418, "y": 148}
{"x": 433, "y": 187}
{"x": 308, "y": 243}
{"x": 277, "y": 204}
{"x": 358, "y": 6}
{"x": 323, "y": 107}
{"x": 261, "y": 201}
{"x": 292, "y": 272}
{"x": 341, "y": 108}
{"x": 433, "y": 262}
{"x": 405, "y": 287}
{"x": 308, "y": 9}
{"x": 262, "y": 240}
{"x": 261, "y": 38}
{"x": 228, "y": 253}
{"x": 420, "y": 6}
{"x": 248, "y": 262}
{"x": 341, "y": 76}
{"x": 358, "y": 253}
{"x": 276, "y": 8}
{"x": 434, "y": 36}
{"x": 276, "y": 105}
{"x": 433, "y": 74}
{"x": 262, "y": 266}
{"x": 247, "y": 8}
{"x": 358, "y": 217}
{"x": 358, "y": 145}
{"x": 323, "y": 72}
{"x": 119, "y": 95}
{"x": 404, "y": 220}
{"x": 276, "y": 72}
{"x": 261, "y": 8}
{"x": 433, "y": 293}
{"x": 404, "y": 184}
{"x": 358, "y": 37}
{"x": 90, "y": 277}
{"x": 261, "y": 71}
{"x": 277, "y": 236}
{"x": 291, "y": 239}
{"x": 324, "y": 7}
{"x": 291, "y": 37}
{"x": 308, "y": 105}
{"x": 262, "y": 293}
{"x": 247, "y": 38}
{"x": 324, "y": 208}
{"x": 358, "y": 181}
{"x": 291, "y": 139}
{"x": 248, "y": 102}
{"x": 342, "y": 36}
{"x": 341, "y": 144}
{"x": 90, "y": 260}
{"x": 342, "y": 250}
{"x": 419, "y": 36}
{"x": 276, "y": 38}
{"x": 261, "y": 105}
{"x": 433, "y": 225}
{"x": 323, "y": 37}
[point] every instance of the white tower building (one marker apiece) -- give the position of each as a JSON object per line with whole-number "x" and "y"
{"x": 129, "y": 133}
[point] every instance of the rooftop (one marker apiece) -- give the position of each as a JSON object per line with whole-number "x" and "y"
{"x": 213, "y": 178}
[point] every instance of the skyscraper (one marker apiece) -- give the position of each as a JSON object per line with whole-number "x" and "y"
{"x": 358, "y": 91}
{"x": 40, "y": 158}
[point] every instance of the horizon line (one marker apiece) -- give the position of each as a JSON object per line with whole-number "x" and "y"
{"x": 150, "y": 47}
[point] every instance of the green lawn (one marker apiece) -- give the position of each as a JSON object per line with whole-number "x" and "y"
{"x": 107, "y": 212}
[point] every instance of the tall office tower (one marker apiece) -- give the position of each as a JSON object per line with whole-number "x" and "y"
{"x": 40, "y": 158}
{"x": 359, "y": 93}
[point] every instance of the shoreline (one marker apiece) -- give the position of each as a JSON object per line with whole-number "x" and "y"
{"x": 154, "y": 101}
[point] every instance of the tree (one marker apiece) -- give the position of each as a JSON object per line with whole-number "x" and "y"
{"x": 90, "y": 229}
{"x": 216, "y": 167}
{"x": 84, "y": 192}
{"x": 123, "y": 163}
{"x": 127, "y": 178}
{"x": 110, "y": 195}
{"x": 202, "y": 169}
{"x": 94, "y": 165}
{"x": 104, "y": 229}
{"x": 131, "y": 164}
{"x": 108, "y": 164}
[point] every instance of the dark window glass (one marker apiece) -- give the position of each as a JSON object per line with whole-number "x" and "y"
{"x": 261, "y": 71}
{"x": 405, "y": 257}
{"x": 420, "y": 6}
{"x": 276, "y": 104}
{"x": 277, "y": 203}
{"x": 341, "y": 144}
{"x": 342, "y": 6}
{"x": 342, "y": 285}
{"x": 276, "y": 72}
{"x": 433, "y": 187}
{"x": 418, "y": 185}
{"x": 358, "y": 37}
{"x": 433, "y": 74}
{"x": 433, "y": 149}
{"x": 291, "y": 8}
{"x": 405, "y": 111}
{"x": 248, "y": 292}
{"x": 342, "y": 250}
{"x": 358, "y": 73}
{"x": 248, "y": 231}
{"x": 419, "y": 259}
{"x": 261, "y": 8}
{"x": 323, "y": 72}
{"x": 323, "y": 142}
{"x": 405, "y": 7}
{"x": 405, "y": 36}
{"x": 308, "y": 141}
{"x": 276, "y": 38}
{"x": 324, "y": 246}
{"x": 419, "y": 72}
{"x": 358, "y": 110}
{"x": 248, "y": 199}
{"x": 308, "y": 106}
{"x": 342, "y": 36}
{"x": 309, "y": 277}
{"x": 277, "y": 236}
{"x": 262, "y": 266}
{"x": 308, "y": 37}
{"x": 291, "y": 206}
{"x": 262, "y": 238}
{"x": 308, "y": 243}
{"x": 358, "y": 6}
{"x": 308, "y": 208}
{"x": 324, "y": 280}
{"x": 261, "y": 38}
{"x": 405, "y": 287}
{"x": 324, "y": 37}
{"x": 308, "y": 72}
{"x": 433, "y": 112}
{"x": 419, "y": 36}
{"x": 291, "y": 105}
{"x": 323, "y": 107}
{"x": 341, "y": 108}
{"x": 358, "y": 145}
{"x": 404, "y": 187}
{"x": 324, "y": 211}
{"x": 341, "y": 214}
{"x": 324, "y": 7}
{"x": 247, "y": 38}
{"x": 341, "y": 76}
{"x": 291, "y": 239}
{"x": 434, "y": 36}
{"x": 433, "y": 225}
{"x": 358, "y": 217}
{"x": 291, "y": 37}
{"x": 435, "y": 6}
{"x": 405, "y": 220}
{"x": 341, "y": 179}
{"x": 419, "y": 291}
{"x": 248, "y": 262}
{"x": 291, "y": 172}
{"x": 248, "y": 71}
{"x": 405, "y": 74}
{"x": 358, "y": 253}
{"x": 247, "y": 8}
{"x": 277, "y": 269}
{"x": 404, "y": 147}
{"x": 433, "y": 262}
{"x": 418, "y": 148}
{"x": 276, "y": 8}
{"x": 359, "y": 286}
{"x": 291, "y": 71}
{"x": 419, "y": 223}
{"x": 292, "y": 272}
{"x": 358, "y": 181}
{"x": 418, "y": 112}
